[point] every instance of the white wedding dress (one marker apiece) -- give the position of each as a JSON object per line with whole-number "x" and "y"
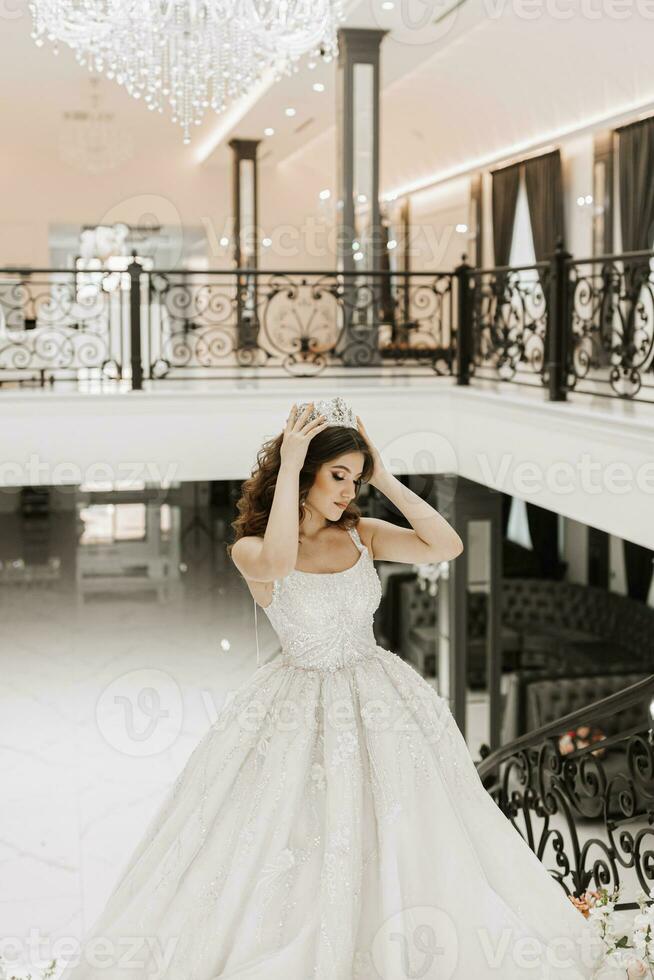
{"x": 331, "y": 825}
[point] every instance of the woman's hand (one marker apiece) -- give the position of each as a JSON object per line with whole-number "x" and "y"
{"x": 379, "y": 467}
{"x": 297, "y": 436}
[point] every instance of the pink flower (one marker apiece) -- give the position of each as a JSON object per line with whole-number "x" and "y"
{"x": 636, "y": 968}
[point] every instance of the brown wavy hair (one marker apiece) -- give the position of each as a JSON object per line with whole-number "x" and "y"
{"x": 258, "y": 490}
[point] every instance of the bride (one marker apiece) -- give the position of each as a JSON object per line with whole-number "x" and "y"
{"x": 331, "y": 824}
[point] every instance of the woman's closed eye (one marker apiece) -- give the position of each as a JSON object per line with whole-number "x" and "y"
{"x": 340, "y": 479}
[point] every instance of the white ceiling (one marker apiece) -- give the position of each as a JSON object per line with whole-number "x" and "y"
{"x": 484, "y": 82}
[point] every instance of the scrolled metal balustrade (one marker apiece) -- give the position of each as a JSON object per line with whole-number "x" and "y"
{"x": 299, "y": 323}
{"x": 564, "y": 326}
{"x": 612, "y": 324}
{"x": 588, "y": 814}
{"x": 62, "y": 325}
{"x": 509, "y": 322}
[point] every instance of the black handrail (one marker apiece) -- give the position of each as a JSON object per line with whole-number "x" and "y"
{"x": 620, "y": 701}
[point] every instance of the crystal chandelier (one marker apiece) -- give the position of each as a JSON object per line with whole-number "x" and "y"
{"x": 189, "y": 55}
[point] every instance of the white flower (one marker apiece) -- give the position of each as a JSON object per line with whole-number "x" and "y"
{"x": 285, "y": 859}
{"x": 247, "y": 836}
{"x": 347, "y": 743}
{"x": 362, "y": 965}
{"x": 340, "y": 839}
{"x": 271, "y": 871}
{"x": 318, "y": 775}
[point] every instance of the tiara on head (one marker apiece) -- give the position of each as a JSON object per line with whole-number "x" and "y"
{"x": 336, "y": 412}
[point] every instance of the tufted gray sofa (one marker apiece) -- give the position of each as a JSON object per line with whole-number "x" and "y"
{"x": 544, "y": 620}
{"x": 534, "y": 699}
{"x": 563, "y": 644}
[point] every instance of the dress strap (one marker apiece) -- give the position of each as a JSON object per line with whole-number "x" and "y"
{"x": 354, "y": 534}
{"x": 256, "y": 632}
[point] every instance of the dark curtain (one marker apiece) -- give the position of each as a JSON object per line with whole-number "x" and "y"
{"x": 638, "y": 566}
{"x": 545, "y": 199}
{"x": 636, "y": 163}
{"x": 544, "y": 532}
{"x": 636, "y": 169}
{"x": 505, "y": 197}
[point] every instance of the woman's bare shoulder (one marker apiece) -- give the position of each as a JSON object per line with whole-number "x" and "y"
{"x": 249, "y": 544}
{"x": 245, "y": 552}
{"x": 246, "y": 548}
{"x": 365, "y": 527}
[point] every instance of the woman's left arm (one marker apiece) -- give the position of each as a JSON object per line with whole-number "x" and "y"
{"x": 432, "y": 538}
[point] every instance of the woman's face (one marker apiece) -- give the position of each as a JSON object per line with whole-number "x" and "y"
{"x": 336, "y": 484}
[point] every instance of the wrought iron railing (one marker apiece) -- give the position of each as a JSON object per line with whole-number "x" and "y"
{"x": 588, "y": 814}
{"x": 612, "y": 325}
{"x": 63, "y": 325}
{"x": 509, "y": 323}
{"x": 582, "y": 326}
{"x": 210, "y": 323}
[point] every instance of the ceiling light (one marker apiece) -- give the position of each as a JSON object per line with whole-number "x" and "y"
{"x": 356, "y": 246}
{"x": 461, "y": 228}
{"x": 266, "y": 242}
{"x": 392, "y": 244}
{"x": 188, "y": 56}
{"x": 224, "y": 241}
{"x": 358, "y": 256}
{"x": 361, "y": 198}
{"x": 589, "y": 198}
{"x": 325, "y": 195}
{"x": 318, "y": 87}
{"x": 388, "y": 5}
{"x": 269, "y": 131}
{"x": 289, "y": 111}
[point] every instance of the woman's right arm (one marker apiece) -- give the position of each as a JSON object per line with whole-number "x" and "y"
{"x": 275, "y": 555}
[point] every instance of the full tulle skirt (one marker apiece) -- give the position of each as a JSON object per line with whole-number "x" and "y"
{"x": 331, "y": 824}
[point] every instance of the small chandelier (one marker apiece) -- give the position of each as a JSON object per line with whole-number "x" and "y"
{"x": 189, "y": 55}
{"x": 90, "y": 139}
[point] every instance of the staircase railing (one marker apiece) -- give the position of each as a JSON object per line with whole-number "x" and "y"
{"x": 587, "y": 811}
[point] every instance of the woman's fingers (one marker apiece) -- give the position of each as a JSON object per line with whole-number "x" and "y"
{"x": 311, "y": 432}
{"x": 319, "y": 420}
{"x": 300, "y": 418}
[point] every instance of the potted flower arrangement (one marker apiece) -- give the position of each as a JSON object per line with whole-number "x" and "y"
{"x": 630, "y": 953}
{"x": 581, "y": 738}
{"x": 45, "y": 974}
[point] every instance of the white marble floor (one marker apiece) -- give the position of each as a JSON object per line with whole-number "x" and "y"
{"x": 104, "y": 692}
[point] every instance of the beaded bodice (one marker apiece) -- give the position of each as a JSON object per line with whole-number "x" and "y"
{"x": 324, "y": 619}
